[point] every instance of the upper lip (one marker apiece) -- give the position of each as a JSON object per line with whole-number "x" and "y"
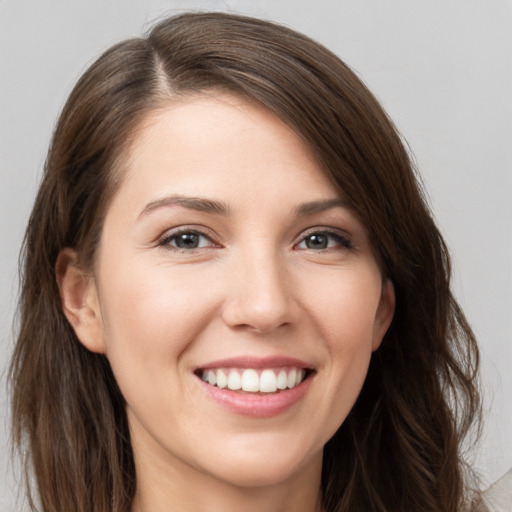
{"x": 257, "y": 362}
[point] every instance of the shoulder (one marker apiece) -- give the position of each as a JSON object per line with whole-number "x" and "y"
{"x": 498, "y": 498}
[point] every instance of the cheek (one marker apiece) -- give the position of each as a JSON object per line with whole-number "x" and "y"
{"x": 345, "y": 315}
{"x": 345, "y": 308}
{"x": 152, "y": 315}
{"x": 151, "y": 320}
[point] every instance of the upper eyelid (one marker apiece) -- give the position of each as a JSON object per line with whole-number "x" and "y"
{"x": 188, "y": 228}
{"x": 325, "y": 230}
{"x": 169, "y": 234}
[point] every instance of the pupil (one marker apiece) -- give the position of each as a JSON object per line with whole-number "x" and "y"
{"x": 187, "y": 241}
{"x": 317, "y": 242}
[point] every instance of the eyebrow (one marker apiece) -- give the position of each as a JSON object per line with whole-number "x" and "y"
{"x": 313, "y": 207}
{"x": 212, "y": 206}
{"x": 192, "y": 203}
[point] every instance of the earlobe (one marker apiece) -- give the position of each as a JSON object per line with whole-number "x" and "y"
{"x": 79, "y": 300}
{"x": 385, "y": 313}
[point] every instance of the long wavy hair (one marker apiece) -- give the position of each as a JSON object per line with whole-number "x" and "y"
{"x": 400, "y": 447}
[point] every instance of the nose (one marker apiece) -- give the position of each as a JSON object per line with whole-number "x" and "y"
{"x": 260, "y": 294}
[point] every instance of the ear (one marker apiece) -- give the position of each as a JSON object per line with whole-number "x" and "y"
{"x": 385, "y": 312}
{"x": 79, "y": 298}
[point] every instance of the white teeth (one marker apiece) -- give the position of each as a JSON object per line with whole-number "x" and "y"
{"x": 282, "y": 380}
{"x": 234, "y": 380}
{"x": 292, "y": 378}
{"x": 222, "y": 380}
{"x": 254, "y": 381}
{"x": 211, "y": 377}
{"x": 250, "y": 381}
{"x": 268, "y": 381}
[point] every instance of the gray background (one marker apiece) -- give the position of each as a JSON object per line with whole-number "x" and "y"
{"x": 442, "y": 69}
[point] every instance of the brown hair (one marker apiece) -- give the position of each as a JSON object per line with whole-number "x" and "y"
{"x": 399, "y": 448}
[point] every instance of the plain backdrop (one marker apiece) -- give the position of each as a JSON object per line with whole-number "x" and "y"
{"x": 441, "y": 68}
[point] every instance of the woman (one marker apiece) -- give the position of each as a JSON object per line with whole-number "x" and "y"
{"x": 234, "y": 295}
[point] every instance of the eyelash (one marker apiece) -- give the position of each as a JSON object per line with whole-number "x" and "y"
{"x": 341, "y": 240}
{"x": 166, "y": 240}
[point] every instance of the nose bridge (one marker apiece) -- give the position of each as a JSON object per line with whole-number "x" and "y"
{"x": 260, "y": 295}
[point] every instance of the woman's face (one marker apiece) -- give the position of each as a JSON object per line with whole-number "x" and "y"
{"x": 228, "y": 259}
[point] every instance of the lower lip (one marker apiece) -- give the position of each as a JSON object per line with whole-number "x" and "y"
{"x": 257, "y": 405}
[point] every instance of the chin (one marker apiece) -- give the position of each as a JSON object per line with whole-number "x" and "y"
{"x": 263, "y": 468}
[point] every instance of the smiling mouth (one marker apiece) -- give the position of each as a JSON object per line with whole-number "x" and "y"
{"x": 252, "y": 380}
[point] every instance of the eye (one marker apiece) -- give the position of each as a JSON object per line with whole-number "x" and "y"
{"x": 186, "y": 240}
{"x": 321, "y": 240}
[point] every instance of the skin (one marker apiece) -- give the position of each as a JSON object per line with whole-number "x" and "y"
{"x": 255, "y": 286}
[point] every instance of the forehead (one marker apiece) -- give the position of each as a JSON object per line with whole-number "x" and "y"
{"x": 208, "y": 139}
